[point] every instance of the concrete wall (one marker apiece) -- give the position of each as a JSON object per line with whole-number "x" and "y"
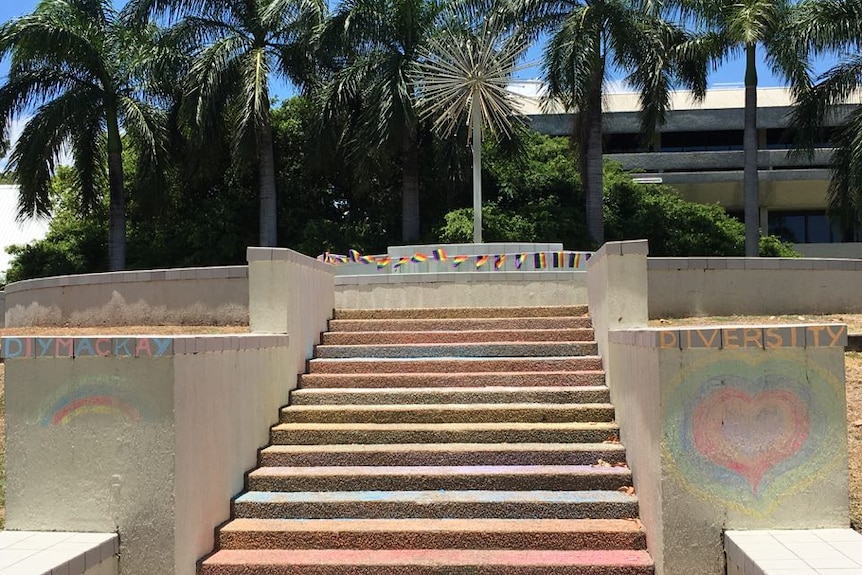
{"x": 2, "y": 309}
{"x": 836, "y": 250}
{"x": 461, "y": 289}
{"x": 149, "y": 437}
{"x": 738, "y": 427}
{"x": 193, "y": 296}
{"x": 691, "y": 287}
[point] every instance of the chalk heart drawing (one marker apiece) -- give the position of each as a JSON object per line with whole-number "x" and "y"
{"x": 750, "y": 434}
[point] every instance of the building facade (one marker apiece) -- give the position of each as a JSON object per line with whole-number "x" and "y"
{"x": 698, "y": 151}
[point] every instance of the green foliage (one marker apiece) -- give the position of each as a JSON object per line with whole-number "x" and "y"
{"x": 673, "y": 226}
{"x": 498, "y": 226}
{"x": 74, "y": 243}
{"x": 775, "y": 247}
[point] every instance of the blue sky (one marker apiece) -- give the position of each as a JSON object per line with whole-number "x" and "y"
{"x": 730, "y": 74}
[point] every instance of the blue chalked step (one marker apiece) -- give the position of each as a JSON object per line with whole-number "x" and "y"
{"x": 441, "y": 503}
{"x": 454, "y": 364}
{"x": 450, "y": 395}
{"x": 546, "y": 349}
{"x": 443, "y": 454}
{"x": 510, "y": 432}
{"x": 455, "y": 336}
{"x": 463, "y": 413}
{"x": 582, "y": 377}
{"x": 416, "y": 478}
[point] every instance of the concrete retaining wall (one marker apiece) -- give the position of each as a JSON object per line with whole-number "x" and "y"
{"x": 191, "y": 296}
{"x": 735, "y": 427}
{"x": 691, "y": 287}
{"x": 146, "y": 436}
{"x": 2, "y": 309}
{"x": 461, "y": 289}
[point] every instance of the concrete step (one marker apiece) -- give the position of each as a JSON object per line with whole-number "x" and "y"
{"x": 592, "y": 504}
{"x": 451, "y": 395}
{"x": 472, "y": 336}
{"x": 463, "y": 312}
{"x": 451, "y": 413}
{"x": 459, "y": 324}
{"x": 429, "y": 478}
{"x": 571, "y": 378}
{"x": 443, "y": 454}
{"x": 454, "y": 365}
{"x": 428, "y": 562}
{"x": 432, "y": 534}
{"x": 323, "y": 433}
{"x": 451, "y": 350}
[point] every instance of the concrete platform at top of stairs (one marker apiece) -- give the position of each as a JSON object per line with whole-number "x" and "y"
{"x": 58, "y": 552}
{"x": 794, "y": 552}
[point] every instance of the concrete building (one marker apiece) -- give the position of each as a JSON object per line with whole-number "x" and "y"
{"x": 699, "y": 152}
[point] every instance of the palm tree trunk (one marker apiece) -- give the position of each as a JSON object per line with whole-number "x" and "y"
{"x": 410, "y": 188}
{"x": 476, "y": 122}
{"x": 591, "y": 172}
{"x": 266, "y": 173}
{"x": 749, "y": 147}
{"x": 117, "y": 205}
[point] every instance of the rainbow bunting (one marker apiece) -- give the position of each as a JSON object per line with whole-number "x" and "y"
{"x": 368, "y": 259}
{"x": 401, "y": 262}
{"x": 439, "y": 254}
{"x": 519, "y": 260}
{"x": 587, "y": 256}
{"x": 499, "y": 261}
{"x": 540, "y": 261}
{"x": 557, "y": 259}
{"x": 383, "y": 262}
{"x": 341, "y": 259}
{"x": 354, "y": 255}
{"x": 418, "y": 258}
{"x": 577, "y": 260}
{"x": 481, "y": 261}
{"x": 458, "y": 260}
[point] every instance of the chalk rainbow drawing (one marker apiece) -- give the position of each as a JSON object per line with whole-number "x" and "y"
{"x": 109, "y": 396}
{"x": 751, "y": 431}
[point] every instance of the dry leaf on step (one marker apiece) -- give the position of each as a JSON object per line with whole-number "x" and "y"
{"x": 602, "y": 463}
{"x": 627, "y": 490}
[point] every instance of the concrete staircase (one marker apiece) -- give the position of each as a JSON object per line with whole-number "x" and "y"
{"x": 444, "y": 442}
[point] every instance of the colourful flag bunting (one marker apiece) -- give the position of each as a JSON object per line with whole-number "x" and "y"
{"x": 354, "y": 255}
{"x": 499, "y": 261}
{"x": 439, "y": 254}
{"x": 368, "y": 259}
{"x": 557, "y": 259}
{"x": 540, "y": 261}
{"x": 458, "y": 260}
{"x": 577, "y": 260}
{"x": 340, "y": 259}
{"x": 481, "y": 261}
{"x": 418, "y": 258}
{"x": 383, "y": 262}
{"x": 587, "y": 256}
{"x": 519, "y": 260}
{"x": 400, "y": 262}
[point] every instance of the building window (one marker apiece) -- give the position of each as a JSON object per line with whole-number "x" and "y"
{"x": 810, "y": 227}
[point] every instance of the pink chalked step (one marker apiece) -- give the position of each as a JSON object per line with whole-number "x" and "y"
{"x": 458, "y": 324}
{"x": 443, "y": 454}
{"x": 543, "y": 378}
{"x": 559, "y": 534}
{"x": 450, "y": 395}
{"x": 466, "y": 336}
{"x": 424, "y": 478}
{"x": 454, "y": 365}
{"x": 454, "y": 413}
{"x": 463, "y": 312}
{"x": 320, "y": 433}
{"x": 428, "y": 562}
{"x": 439, "y": 504}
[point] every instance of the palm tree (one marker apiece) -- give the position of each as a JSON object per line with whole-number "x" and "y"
{"x": 463, "y": 76}
{"x": 374, "y": 45}
{"x": 588, "y": 39}
{"x": 79, "y": 64}
{"x": 835, "y": 26}
{"x": 237, "y": 45}
{"x": 740, "y": 28}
